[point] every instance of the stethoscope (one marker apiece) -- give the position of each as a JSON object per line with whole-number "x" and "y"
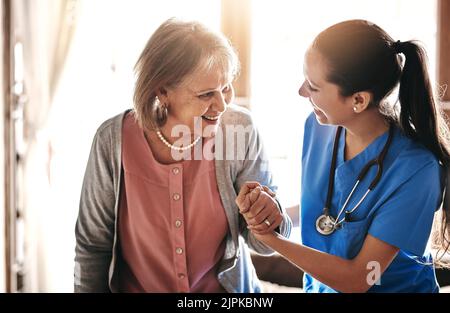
{"x": 325, "y": 223}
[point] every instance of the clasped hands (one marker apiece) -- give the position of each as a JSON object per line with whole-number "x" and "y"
{"x": 259, "y": 208}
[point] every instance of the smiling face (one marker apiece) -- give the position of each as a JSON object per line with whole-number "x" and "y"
{"x": 198, "y": 101}
{"x": 330, "y": 107}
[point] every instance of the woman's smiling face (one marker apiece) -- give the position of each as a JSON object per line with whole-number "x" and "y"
{"x": 330, "y": 107}
{"x": 199, "y": 101}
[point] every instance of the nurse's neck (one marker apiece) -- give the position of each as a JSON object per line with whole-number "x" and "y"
{"x": 362, "y": 131}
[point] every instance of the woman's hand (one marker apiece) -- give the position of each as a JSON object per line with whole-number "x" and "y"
{"x": 258, "y": 207}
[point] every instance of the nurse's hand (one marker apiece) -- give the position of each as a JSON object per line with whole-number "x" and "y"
{"x": 258, "y": 207}
{"x": 265, "y": 238}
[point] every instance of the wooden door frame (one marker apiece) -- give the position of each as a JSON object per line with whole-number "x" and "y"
{"x": 443, "y": 50}
{"x": 236, "y": 26}
{"x": 9, "y": 152}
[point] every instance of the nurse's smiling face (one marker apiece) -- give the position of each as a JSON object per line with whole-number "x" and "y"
{"x": 330, "y": 107}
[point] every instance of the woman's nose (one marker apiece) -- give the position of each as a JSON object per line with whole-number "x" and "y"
{"x": 303, "y": 91}
{"x": 220, "y": 103}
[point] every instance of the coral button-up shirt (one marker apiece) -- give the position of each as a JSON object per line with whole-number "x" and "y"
{"x": 172, "y": 224}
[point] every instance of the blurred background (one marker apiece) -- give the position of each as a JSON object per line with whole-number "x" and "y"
{"x": 67, "y": 65}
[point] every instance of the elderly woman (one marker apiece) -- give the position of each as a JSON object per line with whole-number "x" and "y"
{"x": 157, "y": 210}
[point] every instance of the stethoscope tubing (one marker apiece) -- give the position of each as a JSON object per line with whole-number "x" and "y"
{"x": 378, "y": 161}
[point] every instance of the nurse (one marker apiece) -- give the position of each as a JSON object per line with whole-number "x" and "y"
{"x": 372, "y": 173}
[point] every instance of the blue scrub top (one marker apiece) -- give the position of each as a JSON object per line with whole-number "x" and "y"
{"x": 398, "y": 211}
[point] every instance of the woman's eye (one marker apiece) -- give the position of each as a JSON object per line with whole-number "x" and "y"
{"x": 206, "y": 95}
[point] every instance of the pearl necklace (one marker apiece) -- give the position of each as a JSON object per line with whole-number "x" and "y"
{"x": 168, "y": 144}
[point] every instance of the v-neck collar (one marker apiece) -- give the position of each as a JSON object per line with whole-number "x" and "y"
{"x": 347, "y": 171}
{"x": 370, "y": 152}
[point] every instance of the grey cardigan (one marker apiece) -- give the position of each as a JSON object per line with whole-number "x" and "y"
{"x": 96, "y": 226}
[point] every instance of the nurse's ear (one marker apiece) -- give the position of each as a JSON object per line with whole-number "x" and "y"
{"x": 360, "y": 101}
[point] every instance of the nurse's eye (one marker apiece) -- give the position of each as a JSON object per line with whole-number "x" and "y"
{"x": 311, "y": 88}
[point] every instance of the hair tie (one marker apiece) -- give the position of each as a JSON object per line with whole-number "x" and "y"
{"x": 397, "y": 47}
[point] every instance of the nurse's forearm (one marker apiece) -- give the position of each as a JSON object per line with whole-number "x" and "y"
{"x": 338, "y": 273}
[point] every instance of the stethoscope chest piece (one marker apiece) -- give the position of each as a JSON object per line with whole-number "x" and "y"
{"x": 325, "y": 224}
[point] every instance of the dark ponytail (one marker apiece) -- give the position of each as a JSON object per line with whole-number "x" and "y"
{"x": 422, "y": 120}
{"x": 376, "y": 66}
{"x": 419, "y": 114}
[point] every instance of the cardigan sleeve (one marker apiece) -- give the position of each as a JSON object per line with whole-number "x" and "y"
{"x": 94, "y": 229}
